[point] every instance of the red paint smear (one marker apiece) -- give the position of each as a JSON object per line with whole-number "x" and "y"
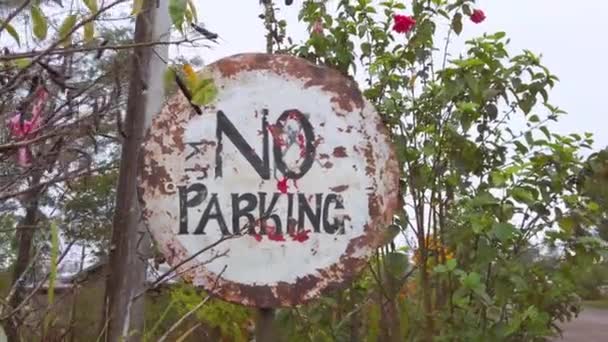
{"x": 272, "y": 235}
{"x": 301, "y": 236}
{"x": 282, "y": 185}
{"x": 276, "y": 237}
{"x": 258, "y": 237}
{"x": 269, "y": 229}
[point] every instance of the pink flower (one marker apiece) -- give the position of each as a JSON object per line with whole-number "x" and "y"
{"x": 317, "y": 27}
{"x": 477, "y": 16}
{"x": 403, "y": 23}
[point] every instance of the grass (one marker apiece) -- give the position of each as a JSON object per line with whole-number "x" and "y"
{"x": 597, "y": 304}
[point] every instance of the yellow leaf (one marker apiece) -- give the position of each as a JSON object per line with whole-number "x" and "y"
{"x": 65, "y": 30}
{"x": 11, "y": 30}
{"x": 23, "y": 63}
{"x": 89, "y": 32}
{"x": 137, "y": 7}
{"x": 190, "y": 74}
{"x": 193, "y": 10}
{"x": 39, "y": 24}
{"x": 92, "y": 5}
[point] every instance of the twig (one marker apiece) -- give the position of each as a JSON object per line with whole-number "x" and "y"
{"x": 11, "y": 16}
{"x": 116, "y": 47}
{"x": 38, "y": 286}
{"x": 71, "y": 175}
{"x": 10, "y": 84}
{"x": 181, "y": 263}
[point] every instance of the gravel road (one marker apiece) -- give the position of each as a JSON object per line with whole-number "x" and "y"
{"x": 591, "y": 325}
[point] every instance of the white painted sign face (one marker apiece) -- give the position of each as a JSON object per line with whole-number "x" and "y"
{"x": 280, "y": 189}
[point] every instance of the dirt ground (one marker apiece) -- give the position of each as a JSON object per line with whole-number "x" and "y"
{"x": 590, "y": 326}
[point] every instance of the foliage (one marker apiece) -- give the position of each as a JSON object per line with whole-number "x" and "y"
{"x": 88, "y": 210}
{"x": 473, "y": 183}
{"x": 229, "y": 319}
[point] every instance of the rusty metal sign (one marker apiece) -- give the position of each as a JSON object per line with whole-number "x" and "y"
{"x": 279, "y": 190}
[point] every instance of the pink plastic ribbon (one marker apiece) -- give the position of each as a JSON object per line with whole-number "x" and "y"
{"x": 23, "y": 129}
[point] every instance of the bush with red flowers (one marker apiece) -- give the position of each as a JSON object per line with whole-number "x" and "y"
{"x": 403, "y": 23}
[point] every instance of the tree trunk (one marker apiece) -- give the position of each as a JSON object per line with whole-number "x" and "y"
{"x": 123, "y": 309}
{"x": 25, "y": 234}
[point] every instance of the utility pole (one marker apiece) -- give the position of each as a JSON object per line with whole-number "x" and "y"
{"x": 123, "y": 308}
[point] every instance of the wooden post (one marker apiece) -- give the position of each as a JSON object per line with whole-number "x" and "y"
{"x": 264, "y": 326}
{"x": 123, "y": 312}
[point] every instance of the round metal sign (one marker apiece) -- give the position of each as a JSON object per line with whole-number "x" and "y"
{"x": 280, "y": 189}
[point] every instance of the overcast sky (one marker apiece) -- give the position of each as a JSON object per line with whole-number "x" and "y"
{"x": 569, "y": 34}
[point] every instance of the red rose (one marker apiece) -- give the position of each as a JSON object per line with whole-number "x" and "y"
{"x": 403, "y": 23}
{"x": 478, "y": 16}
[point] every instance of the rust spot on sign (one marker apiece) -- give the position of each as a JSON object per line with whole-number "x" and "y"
{"x": 346, "y": 93}
{"x": 340, "y": 152}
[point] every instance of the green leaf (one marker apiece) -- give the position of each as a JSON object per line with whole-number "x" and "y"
{"x": 65, "y": 29}
{"x": 529, "y": 138}
{"x": 457, "y": 23}
{"x": 451, "y": 264}
{"x": 503, "y": 231}
{"x": 545, "y": 131}
{"x": 53, "y": 262}
{"x": 593, "y": 206}
{"x": 89, "y": 32}
{"x": 205, "y": 95}
{"x": 498, "y": 178}
{"x": 22, "y": 63}
{"x": 396, "y": 264}
{"x": 177, "y": 11}
{"x": 523, "y": 195}
{"x": 567, "y": 224}
{"x": 169, "y": 79}
{"x": 483, "y": 198}
{"x": 39, "y": 23}
{"x": 472, "y": 280}
{"x": 521, "y": 148}
{"x": 11, "y": 30}
{"x": 366, "y": 49}
{"x": 534, "y": 118}
{"x": 440, "y": 269}
{"x": 428, "y": 149}
{"x": 527, "y": 103}
{"x": 199, "y": 83}
{"x": 91, "y": 5}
